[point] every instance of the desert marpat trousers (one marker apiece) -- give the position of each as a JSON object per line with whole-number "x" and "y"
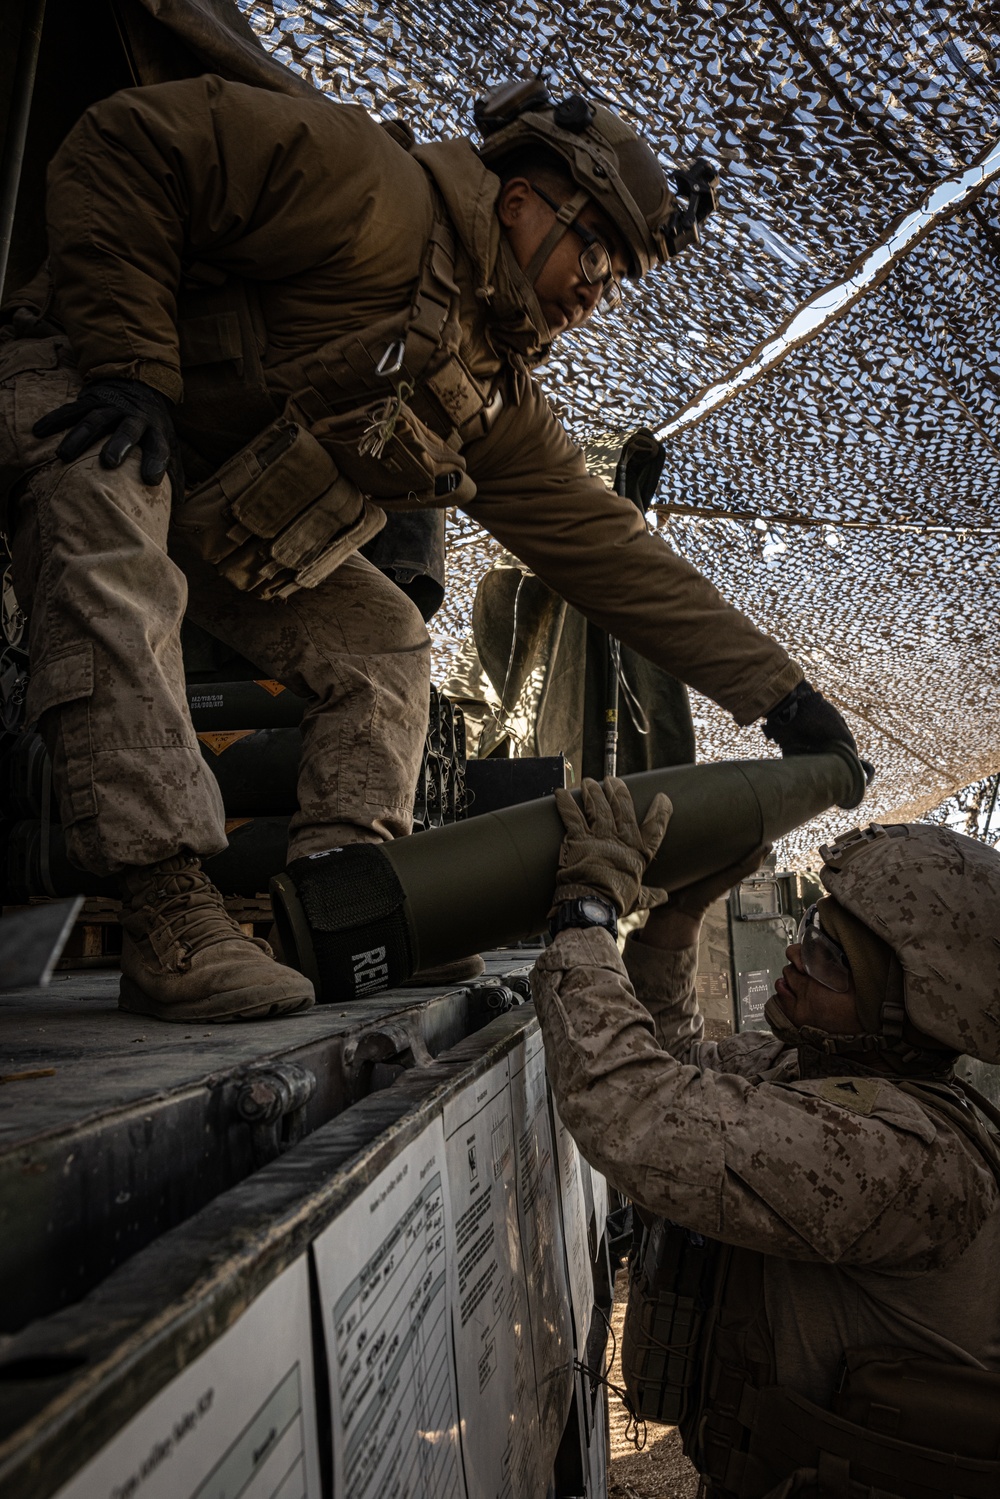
{"x": 105, "y": 599}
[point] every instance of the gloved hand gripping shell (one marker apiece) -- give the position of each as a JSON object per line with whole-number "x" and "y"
{"x": 806, "y": 723}
{"x": 605, "y": 852}
{"x": 677, "y": 923}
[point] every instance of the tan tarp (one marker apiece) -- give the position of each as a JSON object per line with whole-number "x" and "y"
{"x": 532, "y": 679}
{"x": 519, "y": 677}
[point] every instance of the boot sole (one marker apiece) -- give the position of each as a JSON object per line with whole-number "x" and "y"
{"x": 135, "y": 1000}
{"x": 457, "y": 972}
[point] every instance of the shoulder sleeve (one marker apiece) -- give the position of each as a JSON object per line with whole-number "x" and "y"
{"x": 864, "y": 1175}
{"x": 665, "y": 985}
{"x": 537, "y": 498}
{"x": 257, "y": 184}
{"x": 781, "y": 1169}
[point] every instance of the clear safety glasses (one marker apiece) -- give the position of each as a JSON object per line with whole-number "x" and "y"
{"x": 822, "y": 958}
{"x": 595, "y": 262}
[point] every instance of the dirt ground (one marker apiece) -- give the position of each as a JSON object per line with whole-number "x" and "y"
{"x": 660, "y": 1470}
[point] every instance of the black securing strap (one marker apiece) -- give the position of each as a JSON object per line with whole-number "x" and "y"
{"x": 354, "y": 904}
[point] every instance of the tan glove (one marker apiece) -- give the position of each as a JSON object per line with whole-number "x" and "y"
{"x": 677, "y": 923}
{"x": 694, "y": 899}
{"x": 605, "y": 851}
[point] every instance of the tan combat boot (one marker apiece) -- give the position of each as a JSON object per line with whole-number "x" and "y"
{"x": 184, "y": 958}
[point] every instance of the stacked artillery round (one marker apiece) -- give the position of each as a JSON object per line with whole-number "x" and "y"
{"x": 249, "y": 735}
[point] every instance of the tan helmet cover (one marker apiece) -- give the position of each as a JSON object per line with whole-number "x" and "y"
{"x": 609, "y": 162}
{"x": 934, "y": 896}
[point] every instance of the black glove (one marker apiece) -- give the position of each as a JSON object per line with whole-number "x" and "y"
{"x": 128, "y": 413}
{"x": 804, "y": 723}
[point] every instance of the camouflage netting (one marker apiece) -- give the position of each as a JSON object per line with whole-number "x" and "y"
{"x": 848, "y": 499}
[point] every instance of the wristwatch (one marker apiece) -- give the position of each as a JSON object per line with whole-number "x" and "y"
{"x": 588, "y": 911}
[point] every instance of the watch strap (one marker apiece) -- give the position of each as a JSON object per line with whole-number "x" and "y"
{"x": 575, "y": 913}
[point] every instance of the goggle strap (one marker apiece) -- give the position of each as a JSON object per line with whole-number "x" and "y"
{"x": 566, "y": 216}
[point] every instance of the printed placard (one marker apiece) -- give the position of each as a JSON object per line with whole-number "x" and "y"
{"x": 238, "y": 1423}
{"x": 575, "y": 1232}
{"x": 490, "y": 1311}
{"x": 541, "y": 1227}
{"x": 383, "y": 1280}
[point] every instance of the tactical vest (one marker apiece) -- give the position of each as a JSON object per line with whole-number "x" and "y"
{"x": 373, "y": 420}
{"x": 902, "y": 1425}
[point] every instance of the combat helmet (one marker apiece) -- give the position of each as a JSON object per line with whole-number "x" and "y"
{"x": 609, "y": 162}
{"x": 933, "y": 896}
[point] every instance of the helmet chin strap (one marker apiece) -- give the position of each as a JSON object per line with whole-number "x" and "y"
{"x": 864, "y": 1050}
{"x": 821, "y": 1053}
{"x": 813, "y": 1037}
{"x": 566, "y": 217}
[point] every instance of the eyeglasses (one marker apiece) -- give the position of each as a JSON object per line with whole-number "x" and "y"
{"x": 595, "y": 261}
{"x": 822, "y": 958}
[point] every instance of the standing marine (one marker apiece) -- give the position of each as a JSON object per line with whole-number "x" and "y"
{"x": 264, "y": 321}
{"x": 814, "y": 1297}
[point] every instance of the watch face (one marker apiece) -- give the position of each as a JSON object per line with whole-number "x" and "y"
{"x": 594, "y": 910}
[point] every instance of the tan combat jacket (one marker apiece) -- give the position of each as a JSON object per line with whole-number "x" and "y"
{"x": 870, "y": 1220}
{"x": 326, "y": 217}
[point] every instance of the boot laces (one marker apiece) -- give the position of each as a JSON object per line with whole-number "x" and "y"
{"x": 185, "y": 907}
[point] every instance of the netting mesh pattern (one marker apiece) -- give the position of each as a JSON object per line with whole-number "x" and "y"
{"x": 848, "y": 501}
